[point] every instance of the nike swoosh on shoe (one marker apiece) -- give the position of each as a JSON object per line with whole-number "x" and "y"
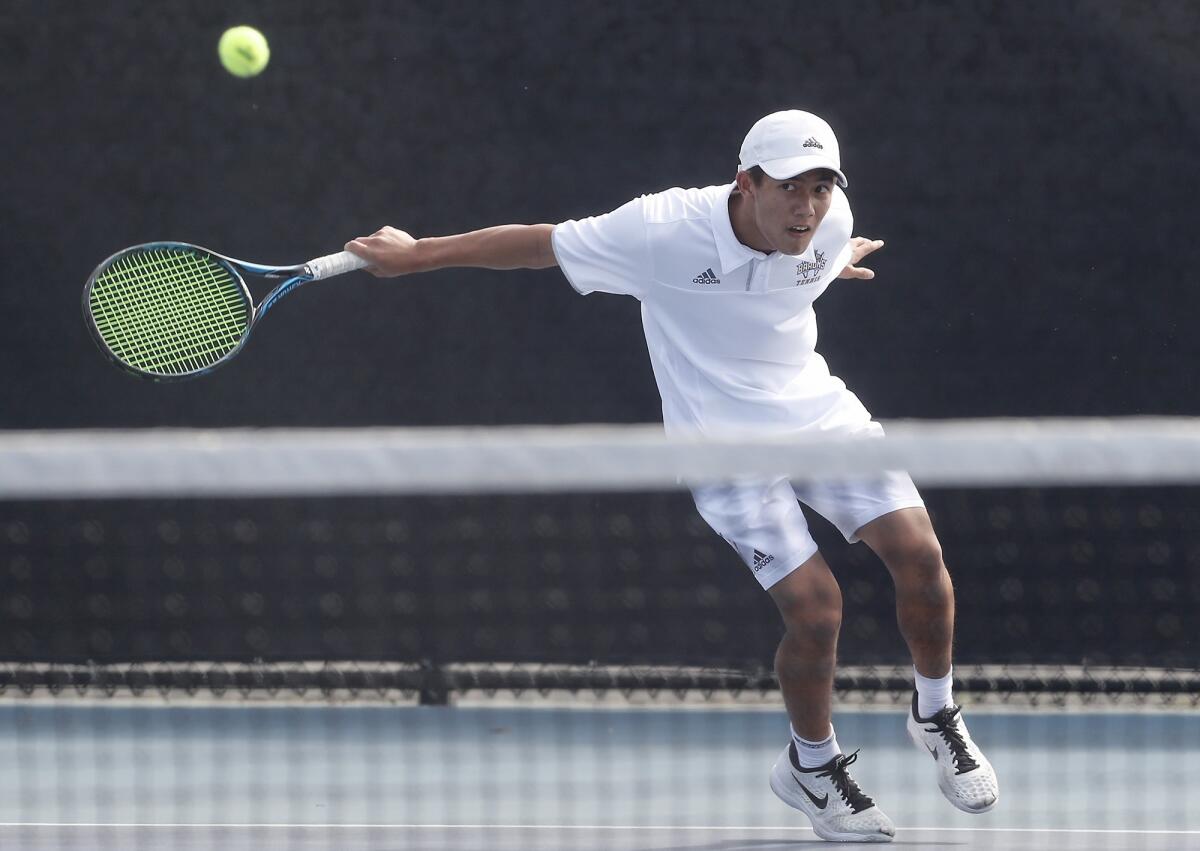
{"x": 821, "y": 802}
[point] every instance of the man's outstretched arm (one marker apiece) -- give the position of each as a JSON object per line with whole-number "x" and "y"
{"x": 393, "y": 252}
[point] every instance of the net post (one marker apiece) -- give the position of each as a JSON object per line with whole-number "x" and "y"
{"x": 434, "y": 690}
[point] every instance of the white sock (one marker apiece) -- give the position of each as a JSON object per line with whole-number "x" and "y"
{"x": 934, "y": 695}
{"x": 816, "y": 754}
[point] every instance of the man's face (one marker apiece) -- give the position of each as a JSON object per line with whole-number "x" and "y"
{"x": 787, "y": 212}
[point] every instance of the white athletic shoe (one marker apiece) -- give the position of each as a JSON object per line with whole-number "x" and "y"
{"x": 838, "y": 809}
{"x": 965, "y": 776}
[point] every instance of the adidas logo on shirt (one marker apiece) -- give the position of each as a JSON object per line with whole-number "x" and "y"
{"x": 811, "y": 142}
{"x": 706, "y": 277}
{"x": 761, "y": 560}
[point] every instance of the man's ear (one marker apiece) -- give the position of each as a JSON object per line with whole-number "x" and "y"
{"x": 745, "y": 183}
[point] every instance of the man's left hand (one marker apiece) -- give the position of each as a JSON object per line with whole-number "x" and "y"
{"x": 860, "y": 247}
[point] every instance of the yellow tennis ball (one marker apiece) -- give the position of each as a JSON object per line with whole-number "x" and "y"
{"x": 243, "y": 51}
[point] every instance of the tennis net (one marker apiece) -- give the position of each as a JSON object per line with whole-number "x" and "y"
{"x": 528, "y": 638}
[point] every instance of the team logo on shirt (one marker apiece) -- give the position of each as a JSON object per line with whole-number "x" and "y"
{"x": 809, "y": 271}
{"x": 706, "y": 277}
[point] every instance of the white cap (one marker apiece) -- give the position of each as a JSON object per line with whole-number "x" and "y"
{"x": 785, "y": 144}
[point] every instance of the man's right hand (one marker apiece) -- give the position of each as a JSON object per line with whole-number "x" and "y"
{"x": 389, "y": 252}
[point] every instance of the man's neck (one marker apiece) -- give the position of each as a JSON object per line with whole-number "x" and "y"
{"x": 743, "y": 225}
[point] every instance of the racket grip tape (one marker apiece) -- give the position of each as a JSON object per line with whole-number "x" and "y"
{"x": 334, "y": 264}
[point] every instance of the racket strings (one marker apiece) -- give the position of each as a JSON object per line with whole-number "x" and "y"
{"x": 152, "y": 349}
{"x": 173, "y": 272}
{"x": 161, "y": 285}
{"x": 168, "y": 311}
{"x": 211, "y": 338}
{"x": 156, "y": 347}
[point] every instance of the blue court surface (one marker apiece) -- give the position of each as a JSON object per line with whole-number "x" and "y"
{"x": 241, "y": 776}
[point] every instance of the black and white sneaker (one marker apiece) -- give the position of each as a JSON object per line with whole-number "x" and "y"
{"x": 965, "y": 776}
{"x": 838, "y": 809}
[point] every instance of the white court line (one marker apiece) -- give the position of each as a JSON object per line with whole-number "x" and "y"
{"x": 658, "y": 827}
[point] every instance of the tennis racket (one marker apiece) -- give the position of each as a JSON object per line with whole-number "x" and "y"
{"x": 169, "y": 310}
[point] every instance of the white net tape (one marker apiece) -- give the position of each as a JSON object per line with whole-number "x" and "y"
{"x": 331, "y": 462}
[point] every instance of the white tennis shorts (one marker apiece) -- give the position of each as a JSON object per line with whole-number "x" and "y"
{"x": 762, "y": 520}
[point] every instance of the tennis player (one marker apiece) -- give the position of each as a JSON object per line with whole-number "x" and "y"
{"x": 727, "y": 276}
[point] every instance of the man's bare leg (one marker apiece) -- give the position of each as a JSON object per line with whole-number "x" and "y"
{"x": 906, "y": 543}
{"x": 810, "y": 602}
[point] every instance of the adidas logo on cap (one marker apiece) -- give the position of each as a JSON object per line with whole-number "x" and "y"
{"x": 811, "y": 142}
{"x": 706, "y": 277}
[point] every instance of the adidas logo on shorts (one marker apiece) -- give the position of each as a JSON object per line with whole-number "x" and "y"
{"x": 761, "y": 560}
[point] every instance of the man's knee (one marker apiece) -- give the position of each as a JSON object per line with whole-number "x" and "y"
{"x": 917, "y": 557}
{"x": 907, "y": 545}
{"x": 810, "y": 603}
{"x": 819, "y": 630}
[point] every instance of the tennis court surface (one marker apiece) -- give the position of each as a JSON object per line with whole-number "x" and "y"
{"x": 515, "y": 777}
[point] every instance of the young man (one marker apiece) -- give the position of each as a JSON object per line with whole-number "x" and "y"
{"x": 727, "y": 276}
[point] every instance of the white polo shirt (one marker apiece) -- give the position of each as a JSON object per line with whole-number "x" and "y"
{"x": 731, "y": 331}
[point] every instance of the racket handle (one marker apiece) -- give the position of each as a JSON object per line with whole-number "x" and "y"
{"x": 334, "y": 264}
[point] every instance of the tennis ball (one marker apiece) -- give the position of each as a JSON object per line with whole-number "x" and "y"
{"x": 243, "y": 51}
